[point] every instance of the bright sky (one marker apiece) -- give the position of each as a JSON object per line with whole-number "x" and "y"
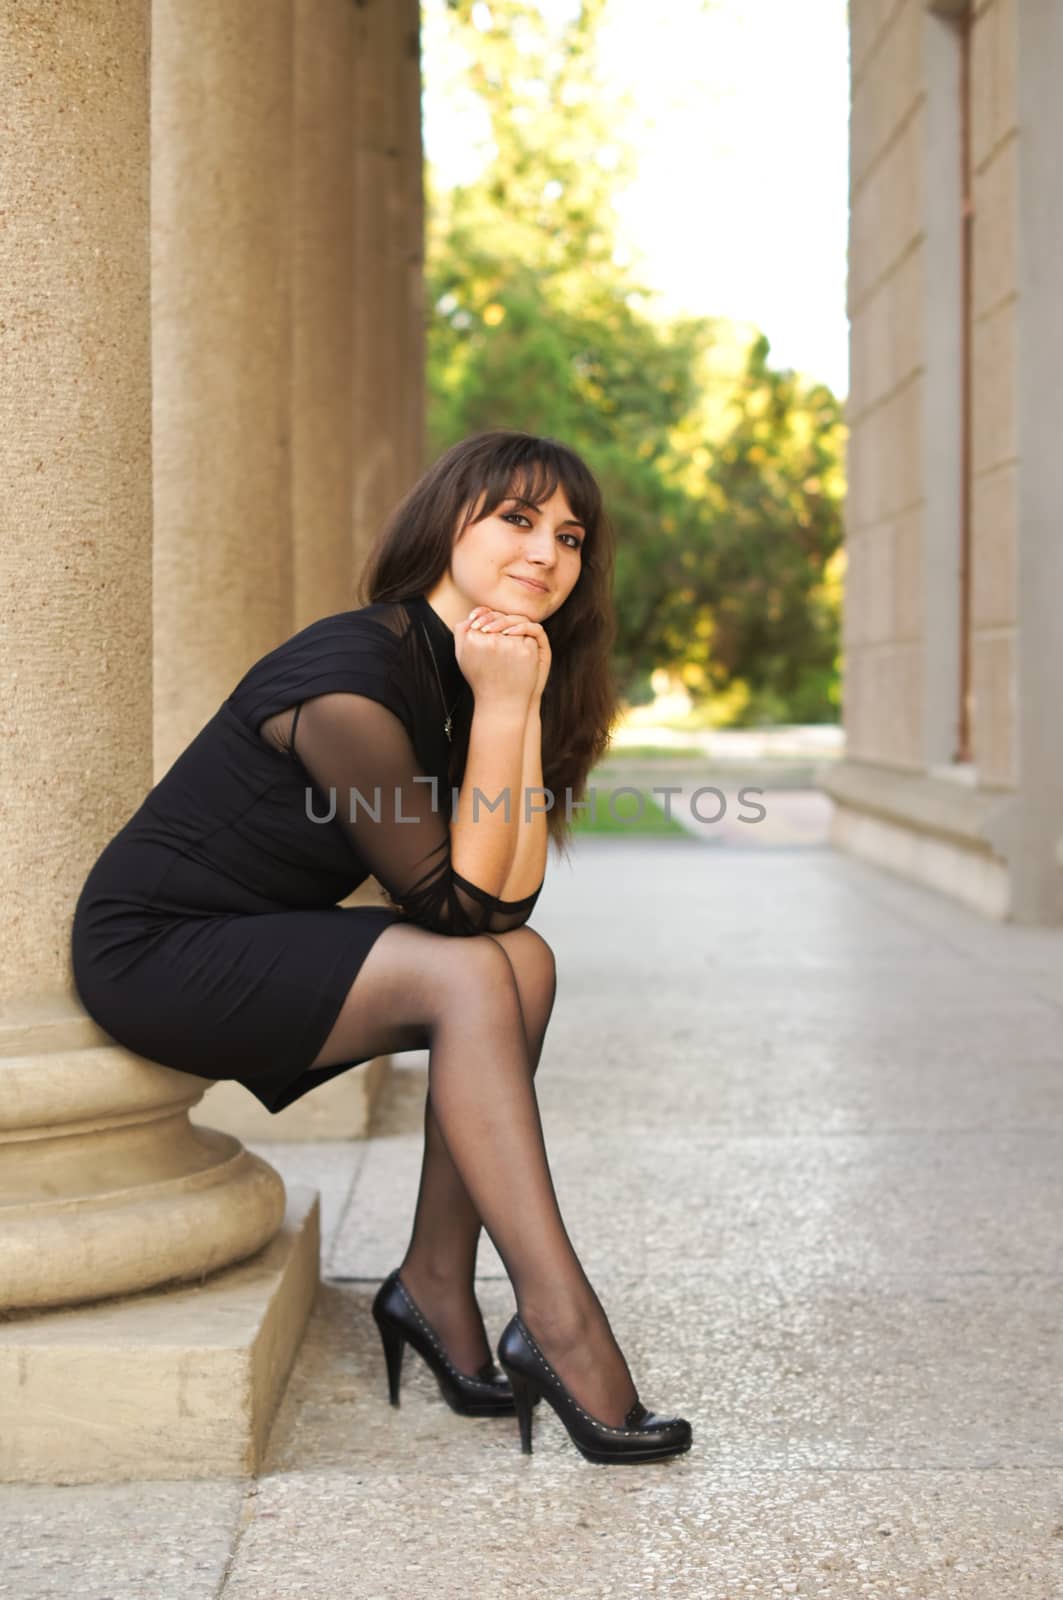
{"x": 740, "y": 124}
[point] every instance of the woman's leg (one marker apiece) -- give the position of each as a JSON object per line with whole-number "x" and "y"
{"x": 439, "y": 1267}
{"x": 462, "y": 993}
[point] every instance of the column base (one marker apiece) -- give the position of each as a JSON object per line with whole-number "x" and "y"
{"x": 933, "y": 831}
{"x": 179, "y": 1383}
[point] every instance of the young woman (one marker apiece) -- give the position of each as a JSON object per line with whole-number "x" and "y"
{"x": 208, "y": 935}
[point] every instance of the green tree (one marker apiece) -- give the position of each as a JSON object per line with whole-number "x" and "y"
{"x": 721, "y": 475}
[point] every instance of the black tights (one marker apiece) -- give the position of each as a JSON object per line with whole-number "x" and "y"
{"x": 481, "y": 1007}
{"x": 440, "y": 1260}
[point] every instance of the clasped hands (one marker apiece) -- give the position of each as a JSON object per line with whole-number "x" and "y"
{"x": 484, "y": 619}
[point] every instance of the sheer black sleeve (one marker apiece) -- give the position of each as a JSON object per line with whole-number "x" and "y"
{"x": 361, "y": 757}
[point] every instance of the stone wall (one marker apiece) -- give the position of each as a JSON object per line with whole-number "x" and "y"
{"x": 884, "y": 622}
{"x": 995, "y": 448}
{"x": 945, "y": 407}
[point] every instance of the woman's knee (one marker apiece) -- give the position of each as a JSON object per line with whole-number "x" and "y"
{"x": 478, "y": 962}
{"x": 527, "y": 948}
{"x": 420, "y": 976}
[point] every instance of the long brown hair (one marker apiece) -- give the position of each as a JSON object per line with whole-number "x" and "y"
{"x": 412, "y": 552}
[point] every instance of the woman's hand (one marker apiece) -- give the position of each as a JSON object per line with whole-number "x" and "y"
{"x": 498, "y": 668}
{"x": 512, "y": 625}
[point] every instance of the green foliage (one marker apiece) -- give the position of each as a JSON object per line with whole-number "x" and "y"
{"x": 722, "y": 476}
{"x": 625, "y": 814}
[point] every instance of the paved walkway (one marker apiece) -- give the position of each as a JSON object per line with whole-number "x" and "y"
{"x": 806, "y": 1126}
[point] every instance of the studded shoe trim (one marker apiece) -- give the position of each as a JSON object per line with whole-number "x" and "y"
{"x": 638, "y": 1409}
{"x": 433, "y": 1339}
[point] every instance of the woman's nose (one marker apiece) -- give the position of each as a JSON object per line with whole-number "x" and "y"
{"x": 540, "y": 547}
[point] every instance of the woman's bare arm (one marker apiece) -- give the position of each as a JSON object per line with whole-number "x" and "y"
{"x": 484, "y": 830}
{"x": 528, "y": 865}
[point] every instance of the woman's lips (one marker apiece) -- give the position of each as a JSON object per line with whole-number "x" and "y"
{"x": 536, "y": 588}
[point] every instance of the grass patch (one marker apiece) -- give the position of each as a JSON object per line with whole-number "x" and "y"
{"x": 652, "y": 752}
{"x": 621, "y": 816}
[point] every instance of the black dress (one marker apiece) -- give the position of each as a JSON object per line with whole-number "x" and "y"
{"x": 207, "y": 935}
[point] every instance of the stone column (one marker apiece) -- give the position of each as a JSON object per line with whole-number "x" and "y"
{"x": 221, "y": 116}
{"x": 105, "y": 1188}
{"x": 389, "y": 373}
{"x": 323, "y": 299}
{"x": 413, "y": 311}
{"x": 325, "y": 291}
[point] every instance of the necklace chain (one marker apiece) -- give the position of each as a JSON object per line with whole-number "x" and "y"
{"x": 442, "y": 697}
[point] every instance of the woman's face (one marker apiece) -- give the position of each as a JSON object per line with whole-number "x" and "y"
{"x": 518, "y": 540}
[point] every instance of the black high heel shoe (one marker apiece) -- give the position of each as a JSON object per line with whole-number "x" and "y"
{"x": 645, "y": 1436}
{"x": 487, "y": 1394}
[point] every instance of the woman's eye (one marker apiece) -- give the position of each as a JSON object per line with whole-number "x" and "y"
{"x": 509, "y": 516}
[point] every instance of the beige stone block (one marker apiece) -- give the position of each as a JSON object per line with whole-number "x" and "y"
{"x": 976, "y": 880}
{"x": 908, "y": 576}
{"x": 946, "y": 803}
{"x": 996, "y": 224}
{"x": 879, "y": 574}
{"x": 886, "y": 217}
{"x": 881, "y": 426}
{"x": 892, "y": 745}
{"x": 881, "y": 695}
{"x": 888, "y": 87}
{"x": 994, "y": 106}
{"x": 994, "y": 353}
{"x": 994, "y": 706}
{"x": 851, "y": 706}
{"x": 867, "y": 22}
{"x": 862, "y": 373}
{"x": 892, "y": 708}
{"x": 994, "y": 548}
{"x": 867, "y": 248}
{"x": 869, "y": 702}
{"x": 868, "y": 488}
{"x": 883, "y": 691}
{"x": 174, "y": 1384}
{"x": 339, "y": 1109}
{"x": 862, "y": 472}
{"x": 872, "y": 708}
{"x": 935, "y": 831}
{"x": 853, "y": 467}
{"x": 900, "y": 454}
{"x": 853, "y": 594}
{"x": 889, "y": 329}
{"x": 871, "y": 347}
{"x": 905, "y": 316}
{"x": 909, "y": 705}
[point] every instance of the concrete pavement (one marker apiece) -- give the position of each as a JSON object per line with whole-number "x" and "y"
{"x": 806, "y": 1124}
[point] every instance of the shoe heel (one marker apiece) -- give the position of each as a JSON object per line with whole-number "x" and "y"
{"x": 522, "y": 1399}
{"x": 643, "y": 1436}
{"x": 394, "y": 1342}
